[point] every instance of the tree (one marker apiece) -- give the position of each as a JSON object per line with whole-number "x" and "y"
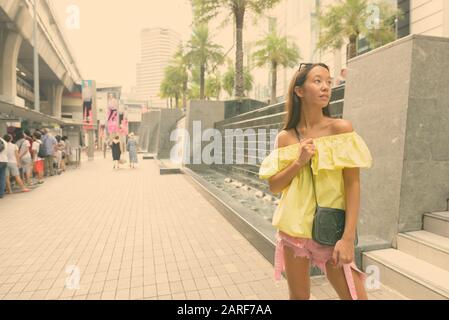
{"x": 276, "y": 51}
{"x": 203, "y": 53}
{"x": 181, "y": 63}
{"x": 205, "y": 10}
{"x": 229, "y": 80}
{"x": 349, "y": 19}
{"x": 172, "y": 84}
{"x": 213, "y": 86}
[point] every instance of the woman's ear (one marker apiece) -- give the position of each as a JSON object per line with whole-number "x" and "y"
{"x": 299, "y": 91}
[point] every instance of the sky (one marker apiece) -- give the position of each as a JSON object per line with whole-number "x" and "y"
{"x": 106, "y": 45}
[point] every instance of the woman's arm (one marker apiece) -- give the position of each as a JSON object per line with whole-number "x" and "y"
{"x": 283, "y": 179}
{"x": 344, "y": 249}
{"x": 351, "y": 178}
{"x": 17, "y": 157}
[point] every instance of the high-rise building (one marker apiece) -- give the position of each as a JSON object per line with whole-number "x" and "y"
{"x": 157, "y": 48}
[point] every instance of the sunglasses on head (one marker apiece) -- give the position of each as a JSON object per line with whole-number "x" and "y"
{"x": 305, "y": 65}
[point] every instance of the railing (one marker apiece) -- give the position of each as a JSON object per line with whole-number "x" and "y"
{"x": 24, "y": 90}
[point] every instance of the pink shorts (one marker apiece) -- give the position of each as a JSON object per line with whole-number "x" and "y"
{"x": 318, "y": 255}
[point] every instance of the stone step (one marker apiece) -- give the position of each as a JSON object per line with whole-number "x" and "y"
{"x": 426, "y": 246}
{"x": 437, "y": 222}
{"x": 414, "y": 278}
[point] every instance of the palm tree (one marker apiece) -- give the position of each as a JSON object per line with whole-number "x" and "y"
{"x": 349, "y": 19}
{"x": 203, "y": 53}
{"x": 205, "y": 10}
{"x": 172, "y": 84}
{"x": 276, "y": 51}
{"x": 213, "y": 86}
{"x": 181, "y": 63}
{"x": 229, "y": 80}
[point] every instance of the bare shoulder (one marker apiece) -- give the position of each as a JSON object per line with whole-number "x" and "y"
{"x": 285, "y": 138}
{"x": 340, "y": 126}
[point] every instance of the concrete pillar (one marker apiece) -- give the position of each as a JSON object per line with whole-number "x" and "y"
{"x": 54, "y": 92}
{"x": 9, "y": 51}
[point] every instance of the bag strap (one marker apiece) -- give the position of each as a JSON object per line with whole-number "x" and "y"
{"x": 311, "y": 172}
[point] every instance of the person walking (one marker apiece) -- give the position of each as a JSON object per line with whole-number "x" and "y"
{"x": 12, "y": 169}
{"x": 25, "y": 162}
{"x": 38, "y": 161}
{"x": 49, "y": 143}
{"x": 131, "y": 146}
{"x": 116, "y": 151}
{"x": 315, "y": 165}
{"x": 3, "y": 165}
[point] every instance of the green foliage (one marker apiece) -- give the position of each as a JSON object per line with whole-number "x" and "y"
{"x": 174, "y": 84}
{"x": 228, "y": 80}
{"x": 206, "y": 10}
{"x": 213, "y": 86}
{"x": 276, "y": 49}
{"x": 348, "y": 19}
{"x": 203, "y": 54}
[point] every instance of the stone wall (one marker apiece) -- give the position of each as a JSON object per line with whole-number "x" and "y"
{"x": 398, "y": 100}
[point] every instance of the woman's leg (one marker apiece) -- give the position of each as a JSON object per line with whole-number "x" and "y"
{"x": 297, "y": 270}
{"x": 8, "y": 184}
{"x": 338, "y": 280}
{"x": 29, "y": 175}
{"x": 20, "y": 183}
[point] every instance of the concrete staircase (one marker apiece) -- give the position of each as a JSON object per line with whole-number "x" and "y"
{"x": 419, "y": 267}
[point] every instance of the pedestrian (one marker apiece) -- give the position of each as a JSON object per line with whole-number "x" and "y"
{"x": 25, "y": 162}
{"x": 116, "y": 151}
{"x": 309, "y": 182}
{"x": 60, "y": 154}
{"x": 342, "y": 77}
{"x": 3, "y": 165}
{"x": 49, "y": 143}
{"x": 37, "y": 157}
{"x": 12, "y": 169}
{"x": 67, "y": 150}
{"x": 131, "y": 146}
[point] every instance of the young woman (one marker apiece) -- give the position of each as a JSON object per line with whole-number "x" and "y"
{"x": 313, "y": 143}
{"x": 116, "y": 151}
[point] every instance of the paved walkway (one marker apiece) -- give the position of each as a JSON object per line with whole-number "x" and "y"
{"x": 130, "y": 234}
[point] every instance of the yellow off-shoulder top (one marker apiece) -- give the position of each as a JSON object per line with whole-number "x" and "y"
{"x": 295, "y": 212}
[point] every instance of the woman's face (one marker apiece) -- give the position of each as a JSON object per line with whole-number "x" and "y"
{"x": 317, "y": 89}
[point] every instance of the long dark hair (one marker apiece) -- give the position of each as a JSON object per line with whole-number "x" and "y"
{"x": 293, "y": 105}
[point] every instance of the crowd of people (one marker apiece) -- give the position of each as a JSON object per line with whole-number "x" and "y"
{"x": 26, "y": 158}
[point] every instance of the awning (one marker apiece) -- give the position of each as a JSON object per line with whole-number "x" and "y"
{"x": 11, "y": 112}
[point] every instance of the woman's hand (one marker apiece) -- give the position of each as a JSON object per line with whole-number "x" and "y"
{"x": 306, "y": 151}
{"x": 343, "y": 253}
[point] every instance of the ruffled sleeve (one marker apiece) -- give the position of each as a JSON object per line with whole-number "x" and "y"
{"x": 278, "y": 160}
{"x": 341, "y": 151}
